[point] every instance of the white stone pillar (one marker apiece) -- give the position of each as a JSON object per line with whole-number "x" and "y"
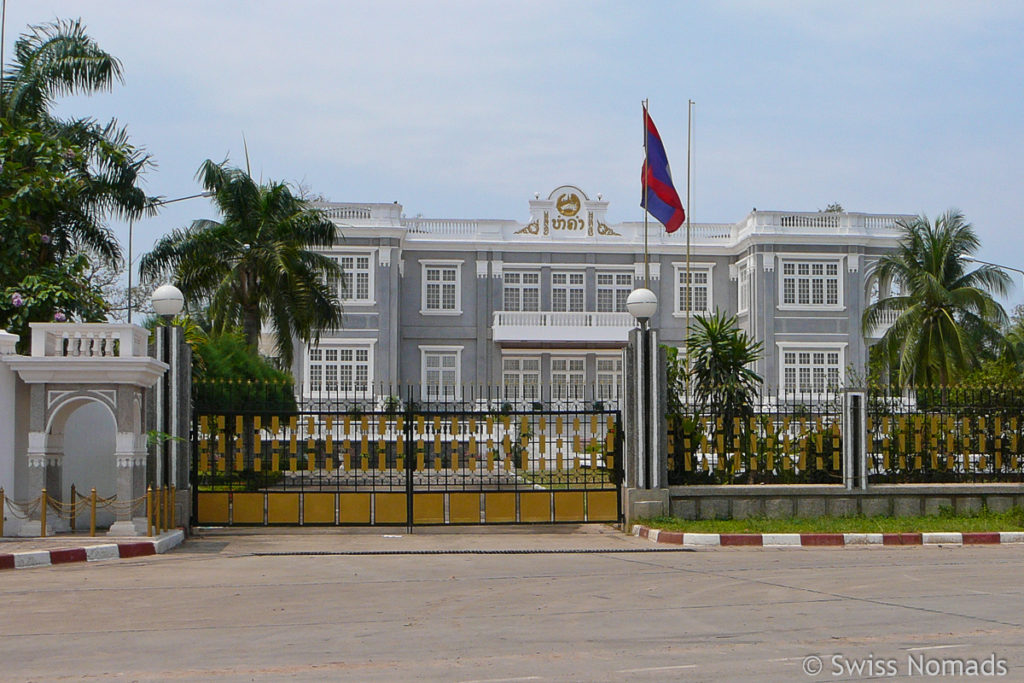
{"x": 131, "y": 485}
{"x": 8, "y": 387}
{"x": 45, "y": 465}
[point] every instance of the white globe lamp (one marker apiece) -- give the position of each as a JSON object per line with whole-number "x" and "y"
{"x": 168, "y": 301}
{"x": 642, "y": 304}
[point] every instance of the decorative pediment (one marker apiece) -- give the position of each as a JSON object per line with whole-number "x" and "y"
{"x": 568, "y": 213}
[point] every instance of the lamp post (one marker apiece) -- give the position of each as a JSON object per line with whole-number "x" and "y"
{"x": 167, "y": 302}
{"x": 989, "y": 263}
{"x": 642, "y": 304}
{"x": 131, "y": 230}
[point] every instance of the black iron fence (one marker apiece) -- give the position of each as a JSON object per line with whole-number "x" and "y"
{"x": 910, "y": 435}
{"x": 778, "y": 438}
{"x": 951, "y": 434}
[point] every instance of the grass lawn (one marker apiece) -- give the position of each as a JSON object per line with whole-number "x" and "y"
{"x": 984, "y": 520}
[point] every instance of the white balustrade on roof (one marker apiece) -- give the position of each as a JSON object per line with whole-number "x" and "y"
{"x": 88, "y": 340}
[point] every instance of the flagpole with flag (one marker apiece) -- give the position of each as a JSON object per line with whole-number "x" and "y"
{"x": 659, "y": 198}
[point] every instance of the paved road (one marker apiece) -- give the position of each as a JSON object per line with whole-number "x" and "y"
{"x": 218, "y": 609}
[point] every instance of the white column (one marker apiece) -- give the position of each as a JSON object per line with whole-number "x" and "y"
{"x": 131, "y": 485}
{"x": 45, "y": 462}
{"x": 8, "y": 386}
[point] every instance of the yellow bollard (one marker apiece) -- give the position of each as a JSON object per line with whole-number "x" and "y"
{"x": 149, "y": 510}
{"x": 163, "y": 508}
{"x": 173, "y": 525}
{"x": 42, "y": 513}
{"x": 92, "y": 513}
{"x": 73, "y": 510}
{"x": 160, "y": 510}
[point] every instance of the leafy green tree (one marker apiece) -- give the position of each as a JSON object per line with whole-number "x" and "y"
{"x": 720, "y": 358}
{"x": 60, "y": 180}
{"x": 257, "y": 265}
{"x": 947, "y": 316}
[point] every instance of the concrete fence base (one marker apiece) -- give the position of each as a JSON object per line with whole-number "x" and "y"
{"x": 790, "y": 500}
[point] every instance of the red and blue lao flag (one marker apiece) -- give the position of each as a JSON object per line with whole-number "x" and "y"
{"x": 659, "y": 194}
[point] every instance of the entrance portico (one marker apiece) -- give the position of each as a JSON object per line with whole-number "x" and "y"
{"x": 74, "y": 364}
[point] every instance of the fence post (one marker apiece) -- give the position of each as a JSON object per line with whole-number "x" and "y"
{"x": 855, "y": 457}
{"x": 149, "y": 510}
{"x": 92, "y": 513}
{"x": 42, "y": 513}
{"x": 171, "y": 512}
{"x": 3, "y": 508}
{"x": 74, "y": 510}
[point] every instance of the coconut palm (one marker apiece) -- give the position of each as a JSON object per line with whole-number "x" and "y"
{"x": 256, "y": 266}
{"x": 947, "y": 314}
{"x": 53, "y": 60}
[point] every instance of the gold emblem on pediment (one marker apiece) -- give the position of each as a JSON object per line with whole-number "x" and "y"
{"x": 531, "y": 229}
{"x": 568, "y": 204}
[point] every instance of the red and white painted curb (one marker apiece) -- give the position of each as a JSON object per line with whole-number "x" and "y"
{"x": 93, "y": 553}
{"x": 818, "y": 540}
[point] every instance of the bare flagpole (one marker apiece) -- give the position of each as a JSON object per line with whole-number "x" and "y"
{"x": 647, "y": 267}
{"x": 689, "y": 282}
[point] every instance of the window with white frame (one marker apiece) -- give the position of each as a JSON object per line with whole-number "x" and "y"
{"x": 806, "y": 370}
{"x": 521, "y": 290}
{"x": 811, "y": 284}
{"x": 694, "y": 297}
{"x": 568, "y": 379}
{"x": 442, "y": 371}
{"x": 743, "y": 286}
{"x": 609, "y": 378}
{"x": 567, "y": 291}
{"x": 520, "y": 378}
{"x": 356, "y": 282}
{"x": 442, "y": 292}
{"x": 339, "y": 369}
{"x": 612, "y": 291}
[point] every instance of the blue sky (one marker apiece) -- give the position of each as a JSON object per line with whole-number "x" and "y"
{"x": 465, "y": 109}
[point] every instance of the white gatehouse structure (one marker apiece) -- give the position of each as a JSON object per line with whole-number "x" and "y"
{"x": 73, "y": 365}
{"x": 447, "y": 303}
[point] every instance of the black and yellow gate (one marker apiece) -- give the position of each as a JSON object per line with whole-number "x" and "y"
{"x": 447, "y": 466}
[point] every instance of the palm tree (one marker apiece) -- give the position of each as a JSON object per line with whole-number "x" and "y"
{"x": 946, "y": 313}
{"x": 255, "y": 266}
{"x": 720, "y": 360}
{"x": 53, "y": 60}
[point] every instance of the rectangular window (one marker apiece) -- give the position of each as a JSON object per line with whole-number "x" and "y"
{"x": 522, "y": 291}
{"x": 441, "y": 288}
{"x": 810, "y": 283}
{"x": 567, "y": 292}
{"x": 441, "y": 373}
{"x": 743, "y": 281}
{"x": 612, "y": 291}
{"x": 338, "y": 370}
{"x": 810, "y": 371}
{"x": 609, "y": 378}
{"x": 355, "y": 278}
{"x": 695, "y": 297}
{"x": 521, "y": 379}
{"x": 568, "y": 379}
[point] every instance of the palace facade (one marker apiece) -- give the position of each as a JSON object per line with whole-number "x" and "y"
{"x": 450, "y": 304}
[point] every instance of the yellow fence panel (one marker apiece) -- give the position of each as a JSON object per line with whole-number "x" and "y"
{"x": 354, "y": 508}
{"x": 213, "y": 508}
{"x": 499, "y": 507}
{"x": 282, "y": 508}
{"x": 464, "y": 508}
{"x": 535, "y": 506}
{"x": 247, "y": 508}
{"x": 318, "y": 508}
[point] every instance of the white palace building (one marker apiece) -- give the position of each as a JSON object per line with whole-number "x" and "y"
{"x": 445, "y": 304}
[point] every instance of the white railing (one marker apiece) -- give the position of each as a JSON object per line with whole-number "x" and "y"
{"x": 823, "y": 222}
{"x": 561, "y": 326}
{"x": 703, "y": 232}
{"x": 442, "y": 226}
{"x": 884, "y": 323}
{"x": 378, "y": 213}
{"x": 88, "y": 340}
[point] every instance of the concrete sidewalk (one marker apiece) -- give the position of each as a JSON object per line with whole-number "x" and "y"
{"x": 25, "y": 553}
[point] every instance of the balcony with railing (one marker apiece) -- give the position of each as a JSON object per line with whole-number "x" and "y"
{"x": 878, "y": 330}
{"x": 562, "y": 326}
